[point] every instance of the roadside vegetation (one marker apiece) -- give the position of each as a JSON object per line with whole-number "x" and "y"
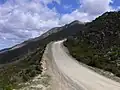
{"x": 22, "y": 64}
{"x": 21, "y": 71}
{"x": 98, "y": 45}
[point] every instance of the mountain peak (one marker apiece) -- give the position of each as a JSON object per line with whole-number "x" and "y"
{"x": 76, "y": 22}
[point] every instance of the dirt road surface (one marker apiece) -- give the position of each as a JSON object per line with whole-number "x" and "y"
{"x": 67, "y": 74}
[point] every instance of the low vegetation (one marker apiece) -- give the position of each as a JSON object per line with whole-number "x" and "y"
{"x": 21, "y": 71}
{"x": 98, "y": 45}
{"x": 22, "y": 64}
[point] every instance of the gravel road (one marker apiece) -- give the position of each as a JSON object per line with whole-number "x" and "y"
{"x": 67, "y": 74}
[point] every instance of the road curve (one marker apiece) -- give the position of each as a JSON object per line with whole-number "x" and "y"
{"x": 68, "y": 74}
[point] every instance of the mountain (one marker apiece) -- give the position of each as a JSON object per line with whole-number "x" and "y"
{"x": 98, "y": 44}
{"x": 4, "y": 50}
{"x": 21, "y": 62}
{"x": 32, "y": 44}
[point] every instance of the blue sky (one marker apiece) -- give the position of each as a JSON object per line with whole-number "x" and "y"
{"x": 116, "y": 3}
{"x": 66, "y": 6}
{"x": 24, "y": 19}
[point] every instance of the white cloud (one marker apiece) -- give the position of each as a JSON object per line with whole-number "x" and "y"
{"x": 96, "y": 7}
{"x": 88, "y": 10}
{"x": 67, "y": 6}
{"x": 23, "y": 19}
{"x": 75, "y": 15}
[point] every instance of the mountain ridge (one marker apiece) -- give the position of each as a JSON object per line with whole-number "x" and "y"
{"x": 44, "y": 35}
{"x": 32, "y": 44}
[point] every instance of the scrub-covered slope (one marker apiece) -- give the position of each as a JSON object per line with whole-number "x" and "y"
{"x": 98, "y": 44}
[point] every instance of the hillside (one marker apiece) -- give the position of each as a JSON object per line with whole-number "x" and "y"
{"x": 98, "y": 44}
{"x": 32, "y": 44}
{"x": 22, "y": 62}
